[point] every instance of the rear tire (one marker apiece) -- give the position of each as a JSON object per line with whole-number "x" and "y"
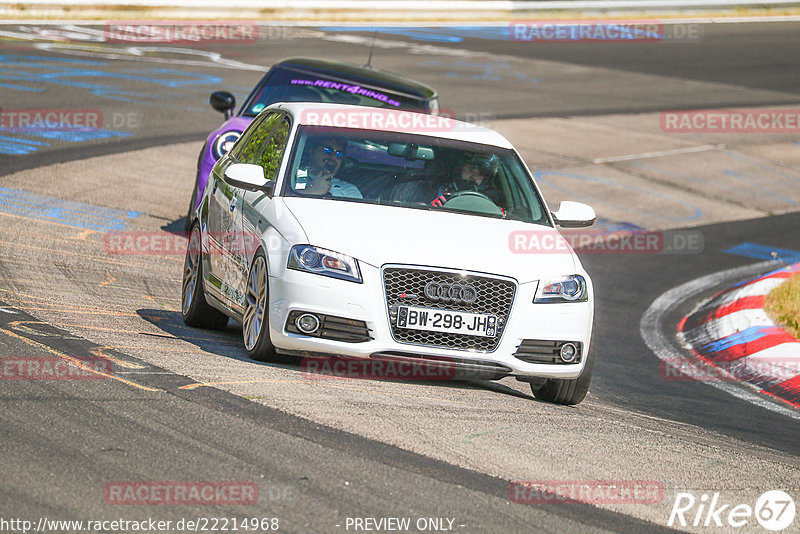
{"x": 255, "y": 320}
{"x": 194, "y": 308}
{"x": 193, "y": 202}
{"x": 566, "y": 391}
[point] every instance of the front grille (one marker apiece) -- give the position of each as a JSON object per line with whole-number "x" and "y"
{"x": 406, "y": 286}
{"x": 544, "y": 351}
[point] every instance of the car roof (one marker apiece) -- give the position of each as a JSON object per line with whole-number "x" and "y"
{"x": 322, "y": 114}
{"x": 361, "y": 75}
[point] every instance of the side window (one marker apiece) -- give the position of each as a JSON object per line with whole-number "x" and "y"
{"x": 248, "y": 148}
{"x": 272, "y": 153}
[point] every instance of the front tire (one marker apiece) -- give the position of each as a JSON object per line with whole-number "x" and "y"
{"x": 566, "y": 391}
{"x": 194, "y": 308}
{"x": 255, "y": 320}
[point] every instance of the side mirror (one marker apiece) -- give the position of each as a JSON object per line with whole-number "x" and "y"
{"x": 249, "y": 177}
{"x": 574, "y": 215}
{"x": 224, "y": 102}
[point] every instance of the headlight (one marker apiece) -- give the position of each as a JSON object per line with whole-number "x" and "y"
{"x": 224, "y": 143}
{"x": 325, "y": 262}
{"x": 571, "y": 288}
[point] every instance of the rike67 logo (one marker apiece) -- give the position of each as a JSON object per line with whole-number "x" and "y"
{"x": 774, "y": 510}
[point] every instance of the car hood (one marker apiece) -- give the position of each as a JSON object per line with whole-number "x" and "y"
{"x": 378, "y": 235}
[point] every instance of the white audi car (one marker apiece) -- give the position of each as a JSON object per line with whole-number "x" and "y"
{"x": 351, "y": 232}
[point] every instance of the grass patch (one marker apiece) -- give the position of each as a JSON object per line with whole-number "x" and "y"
{"x": 783, "y": 305}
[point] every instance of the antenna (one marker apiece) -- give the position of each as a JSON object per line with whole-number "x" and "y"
{"x": 371, "y": 49}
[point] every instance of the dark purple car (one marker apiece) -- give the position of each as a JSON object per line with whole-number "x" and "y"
{"x": 306, "y": 80}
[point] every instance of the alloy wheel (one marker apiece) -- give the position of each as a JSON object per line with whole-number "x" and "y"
{"x": 255, "y": 303}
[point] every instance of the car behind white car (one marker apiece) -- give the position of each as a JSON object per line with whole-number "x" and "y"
{"x": 343, "y": 231}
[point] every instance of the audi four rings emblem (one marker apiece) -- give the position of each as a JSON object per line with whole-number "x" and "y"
{"x": 451, "y": 292}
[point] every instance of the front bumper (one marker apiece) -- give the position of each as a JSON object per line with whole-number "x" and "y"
{"x": 295, "y": 290}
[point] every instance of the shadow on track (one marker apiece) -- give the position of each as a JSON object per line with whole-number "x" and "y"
{"x": 228, "y": 343}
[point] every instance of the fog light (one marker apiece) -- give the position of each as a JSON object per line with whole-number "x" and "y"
{"x": 307, "y": 323}
{"x": 568, "y": 352}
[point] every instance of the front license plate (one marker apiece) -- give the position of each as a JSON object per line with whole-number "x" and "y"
{"x": 453, "y": 322}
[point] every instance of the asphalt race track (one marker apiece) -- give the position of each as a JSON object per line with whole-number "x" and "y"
{"x": 187, "y": 406}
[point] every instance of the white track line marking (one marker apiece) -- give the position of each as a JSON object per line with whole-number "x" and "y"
{"x": 650, "y": 330}
{"x": 137, "y": 53}
{"x": 646, "y": 155}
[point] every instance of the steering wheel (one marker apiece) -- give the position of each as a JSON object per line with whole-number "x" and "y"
{"x": 475, "y": 194}
{"x": 472, "y": 201}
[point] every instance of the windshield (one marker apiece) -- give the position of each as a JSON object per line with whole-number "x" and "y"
{"x": 285, "y": 85}
{"x": 412, "y": 171}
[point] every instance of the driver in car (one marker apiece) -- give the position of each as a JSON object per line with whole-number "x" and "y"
{"x": 476, "y": 174}
{"x": 317, "y": 173}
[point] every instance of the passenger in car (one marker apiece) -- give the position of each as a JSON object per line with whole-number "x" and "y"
{"x": 316, "y": 176}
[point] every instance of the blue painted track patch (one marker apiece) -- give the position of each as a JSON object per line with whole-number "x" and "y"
{"x": 761, "y": 252}
{"x": 443, "y": 34}
{"x": 77, "y": 214}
